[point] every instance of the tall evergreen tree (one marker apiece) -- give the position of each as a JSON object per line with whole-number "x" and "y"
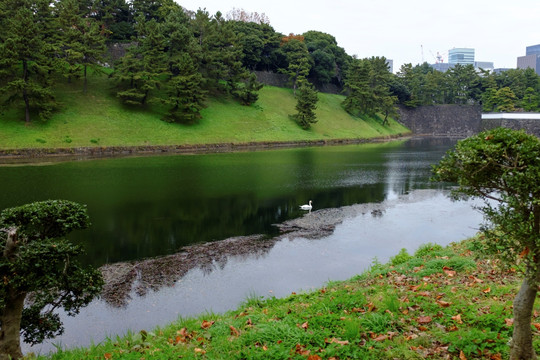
{"x": 83, "y": 40}
{"x": 380, "y": 78}
{"x": 298, "y": 60}
{"x": 185, "y": 96}
{"x": 248, "y": 91}
{"x": 142, "y": 69}
{"x": 505, "y": 100}
{"x": 359, "y": 96}
{"x": 306, "y": 104}
{"x": 116, "y": 17}
{"x": 153, "y": 9}
{"x": 530, "y": 100}
{"x": 26, "y": 55}
{"x": 368, "y": 88}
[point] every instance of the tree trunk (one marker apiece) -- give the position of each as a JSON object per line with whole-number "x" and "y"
{"x": 10, "y": 317}
{"x": 522, "y": 340}
{"x": 85, "y": 86}
{"x": 25, "y": 93}
{"x": 10, "y": 333}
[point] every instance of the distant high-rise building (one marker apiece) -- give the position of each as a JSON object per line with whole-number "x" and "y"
{"x": 532, "y": 50}
{"x": 442, "y": 67}
{"x": 390, "y": 64}
{"x": 531, "y": 59}
{"x": 463, "y": 56}
{"x": 485, "y": 65}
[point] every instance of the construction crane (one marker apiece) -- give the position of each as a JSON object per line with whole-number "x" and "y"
{"x": 438, "y": 58}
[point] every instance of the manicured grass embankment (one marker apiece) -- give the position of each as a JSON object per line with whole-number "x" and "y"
{"x": 97, "y": 119}
{"x": 441, "y": 303}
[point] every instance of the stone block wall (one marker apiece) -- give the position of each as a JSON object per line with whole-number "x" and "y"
{"x": 442, "y": 120}
{"x": 530, "y": 126}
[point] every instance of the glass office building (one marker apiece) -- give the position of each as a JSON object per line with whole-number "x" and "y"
{"x": 531, "y": 59}
{"x": 533, "y": 50}
{"x": 463, "y": 56}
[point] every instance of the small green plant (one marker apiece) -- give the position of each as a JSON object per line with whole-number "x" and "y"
{"x": 391, "y": 302}
{"x": 377, "y": 323}
{"x": 402, "y": 257}
{"x": 94, "y": 141}
{"x": 427, "y": 249}
{"x": 41, "y": 141}
{"x": 67, "y": 139}
{"x": 351, "y": 329}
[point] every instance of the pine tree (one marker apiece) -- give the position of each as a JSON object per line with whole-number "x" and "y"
{"x": 185, "y": 95}
{"x": 26, "y": 57}
{"x": 83, "y": 42}
{"x": 298, "y": 61}
{"x": 530, "y": 100}
{"x": 359, "y": 95}
{"x": 248, "y": 91}
{"x": 144, "y": 65}
{"x": 306, "y": 105}
{"x": 505, "y": 100}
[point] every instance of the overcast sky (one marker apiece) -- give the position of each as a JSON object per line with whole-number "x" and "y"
{"x": 404, "y": 31}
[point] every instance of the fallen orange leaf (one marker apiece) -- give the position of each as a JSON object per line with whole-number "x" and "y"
{"x": 462, "y": 356}
{"x": 524, "y": 253}
{"x": 301, "y": 350}
{"x": 537, "y": 326}
{"x": 424, "y": 319}
{"x": 336, "y": 341}
{"x": 381, "y": 338}
{"x": 234, "y": 331}
{"x": 314, "y": 357}
{"x": 206, "y": 324}
{"x": 487, "y": 290}
{"x": 457, "y": 319}
{"x": 108, "y": 355}
{"x": 449, "y": 272}
{"x": 443, "y": 303}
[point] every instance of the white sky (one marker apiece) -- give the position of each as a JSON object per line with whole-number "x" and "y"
{"x": 498, "y": 30}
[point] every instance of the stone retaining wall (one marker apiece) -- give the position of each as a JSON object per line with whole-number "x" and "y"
{"x": 442, "y": 120}
{"x": 531, "y": 126}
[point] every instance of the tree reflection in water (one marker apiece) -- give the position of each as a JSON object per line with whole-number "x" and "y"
{"x": 125, "y": 279}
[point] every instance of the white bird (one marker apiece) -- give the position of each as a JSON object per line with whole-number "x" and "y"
{"x": 306, "y": 207}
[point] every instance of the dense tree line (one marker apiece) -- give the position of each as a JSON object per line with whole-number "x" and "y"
{"x": 178, "y": 58}
{"x": 507, "y": 91}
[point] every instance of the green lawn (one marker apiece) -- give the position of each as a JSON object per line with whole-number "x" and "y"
{"x": 98, "y": 119}
{"x": 440, "y": 303}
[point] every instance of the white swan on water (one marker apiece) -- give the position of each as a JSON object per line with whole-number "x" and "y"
{"x": 306, "y": 207}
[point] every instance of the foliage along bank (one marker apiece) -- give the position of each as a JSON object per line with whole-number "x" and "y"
{"x": 178, "y": 58}
{"x": 440, "y": 303}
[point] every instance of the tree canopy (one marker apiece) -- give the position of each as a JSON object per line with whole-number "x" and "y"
{"x": 44, "y": 42}
{"x": 40, "y": 272}
{"x": 502, "y": 168}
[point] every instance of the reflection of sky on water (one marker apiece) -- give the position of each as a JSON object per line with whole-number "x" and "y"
{"x": 291, "y": 265}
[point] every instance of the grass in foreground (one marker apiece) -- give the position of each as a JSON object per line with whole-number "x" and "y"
{"x": 441, "y": 303}
{"x": 99, "y": 119}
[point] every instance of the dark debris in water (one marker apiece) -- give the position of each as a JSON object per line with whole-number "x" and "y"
{"x": 126, "y": 279}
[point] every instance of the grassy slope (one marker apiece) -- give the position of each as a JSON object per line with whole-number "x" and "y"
{"x": 441, "y": 303}
{"x": 98, "y": 119}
